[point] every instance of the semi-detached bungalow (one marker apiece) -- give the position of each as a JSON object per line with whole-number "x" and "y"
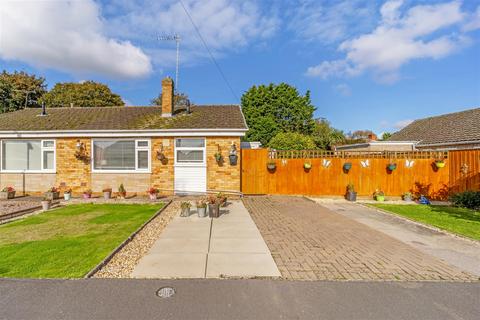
{"x": 174, "y": 150}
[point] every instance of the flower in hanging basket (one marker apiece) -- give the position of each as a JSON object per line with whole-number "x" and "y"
{"x": 392, "y": 166}
{"x": 347, "y": 166}
{"x": 271, "y": 165}
{"x": 307, "y": 165}
{"x": 440, "y": 163}
{"x": 218, "y": 157}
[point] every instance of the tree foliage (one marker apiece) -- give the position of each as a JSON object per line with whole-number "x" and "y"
{"x": 291, "y": 141}
{"x": 386, "y": 136}
{"x": 325, "y": 136}
{"x": 85, "y": 94}
{"x": 178, "y": 99}
{"x": 19, "y": 90}
{"x": 278, "y": 108}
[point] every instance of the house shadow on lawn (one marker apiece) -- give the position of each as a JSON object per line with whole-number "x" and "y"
{"x": 457, "y": 213}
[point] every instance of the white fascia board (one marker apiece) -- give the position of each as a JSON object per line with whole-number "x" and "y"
{"x": 124, "y": 133}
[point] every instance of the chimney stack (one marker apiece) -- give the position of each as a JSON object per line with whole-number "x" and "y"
{"x": 372, "y": 137}
{"x": 167, "y": 97}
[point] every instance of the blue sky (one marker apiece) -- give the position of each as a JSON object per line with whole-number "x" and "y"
{"x": 368, "y": 64}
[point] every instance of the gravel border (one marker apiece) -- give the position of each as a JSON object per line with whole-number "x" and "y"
{"x": 121, "y": 262}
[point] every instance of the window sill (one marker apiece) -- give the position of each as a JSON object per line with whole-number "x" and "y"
{"x": 122, "y": 171}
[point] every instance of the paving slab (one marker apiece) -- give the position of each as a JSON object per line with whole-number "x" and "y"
{"x": 241, "y": 265}
{"x": 230, "y": 245}
{"x": 171, "y": 265}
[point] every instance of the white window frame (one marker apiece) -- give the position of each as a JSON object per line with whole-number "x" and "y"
{"x": 203, "y": 163}
{"x": 137, "y": 148}
{"x": 42, "y": 150}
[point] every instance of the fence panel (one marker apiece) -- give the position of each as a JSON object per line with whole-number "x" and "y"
{"x": 464, "y": 170}
{"x": 291, "y": 178}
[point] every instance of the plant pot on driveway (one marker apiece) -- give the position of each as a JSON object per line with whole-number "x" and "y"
{"x": 351, "y": 196}
{"x": 46, "y": 204}
{"x": 7, "y": 195}
{"x": 214, "y": 210}
{"x": 67, "y": 196}
{"x": 52, "y": 195}
{"x": 202, "y": 212}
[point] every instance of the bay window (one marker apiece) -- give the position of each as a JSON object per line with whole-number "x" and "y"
{"x": 121, "y": 155}
{"x": 28, "y": 155}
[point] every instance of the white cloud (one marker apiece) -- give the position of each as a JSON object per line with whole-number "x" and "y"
{"x": 328, "y": 21}
{"x": 343, "y": 89}
{"x": 402, "y": 123}
{"x": 400, "y": 37}
{"x": 226, "y": 25}
{"x": 68, "y": 36}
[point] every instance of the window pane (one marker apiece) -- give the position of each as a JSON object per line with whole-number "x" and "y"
{"x": 48, "y": 160}
{"x": 48, "y": 144}
{"x": 190, "y": 143}
{"x": 143, "y": 159}
{"x": 21, "y": 155}
{"x": 189, "y": 156}
{"x": 114, "y": 155}
{"x": 142, "y": 143}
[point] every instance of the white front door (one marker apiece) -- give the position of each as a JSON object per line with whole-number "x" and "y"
{"x": 190, "y": 166}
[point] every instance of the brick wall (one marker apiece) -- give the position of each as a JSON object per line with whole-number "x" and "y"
{"x": 34, "y": 183}
{"x": 162, "y": 173}
{"x": 72, "y": 172}
{"x": 223, "y": 177}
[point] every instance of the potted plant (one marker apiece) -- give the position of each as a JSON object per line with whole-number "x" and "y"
{"x": 391, "y": 166}
{"x": 67, "y": 194}
{"x": 7, "y": 193}
{"x": 202, "y": 208}
{"x": 351, "y": 194}
{"x": 222, "y": 199}
{"x": 122, "y": 193}
{"x": 107, "y": 193}
{"x": 213, "y": 206}
{"x": 407, "y": 196}
{"x": 152, "y": 193}
{"x": 218, "y": 157}
{"x": 347, "y": 166}
{"x": 185, "y": 207}
{"x": 379, "y": 195}
{"x": 87, "y": 194}
{"x": 307, "y": 165}
{"x": 440, "y": 163}
{"x": 52, "y": 193}
{"x": 46, "y": 204}
{"x": 271, "y": 165}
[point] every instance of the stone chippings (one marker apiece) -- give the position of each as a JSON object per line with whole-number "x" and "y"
{"x": 123, "y": 263}
{"x": 310, "y": 242}
{"x": 10, "y": 206}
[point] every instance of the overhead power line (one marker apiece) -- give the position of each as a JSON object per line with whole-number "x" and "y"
{"x": 208, "y": 50}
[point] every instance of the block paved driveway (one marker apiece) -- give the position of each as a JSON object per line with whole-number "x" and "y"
{"x": 310, "y": 242}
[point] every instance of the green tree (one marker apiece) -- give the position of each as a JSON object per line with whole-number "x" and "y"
{"x": 386, "y": 136}
{"x": 291, "y": 141}
{"x": 19, "y": 90}
{"x": 84, "y": 94}
{"x": 325, "y": 136}
{"x": 178, "y": 99}
{"x": 278, "y": 108}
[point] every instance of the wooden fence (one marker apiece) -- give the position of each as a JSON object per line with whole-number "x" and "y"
{"x": 416, "y": 172}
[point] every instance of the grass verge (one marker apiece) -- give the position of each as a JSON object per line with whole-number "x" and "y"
{"x": 67, "y": 242}
{"x": 464, "y": 222}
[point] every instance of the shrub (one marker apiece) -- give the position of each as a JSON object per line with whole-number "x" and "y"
{"x": 466, "y": 199}
{"x": 291, "y": 141}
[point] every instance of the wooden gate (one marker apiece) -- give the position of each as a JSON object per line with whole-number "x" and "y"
{"x": 464, "y": 170}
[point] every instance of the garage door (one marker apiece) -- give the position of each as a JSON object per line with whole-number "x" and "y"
{"x": 190, "y": 166}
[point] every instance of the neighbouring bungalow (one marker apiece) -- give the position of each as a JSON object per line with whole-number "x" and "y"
{"x": 452, "y": 131}
{"x": 176, "y": 150}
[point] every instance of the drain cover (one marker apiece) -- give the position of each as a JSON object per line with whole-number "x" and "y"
{"x": 165, "y": 292}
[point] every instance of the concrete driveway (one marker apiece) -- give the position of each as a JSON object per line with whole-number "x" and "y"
{"x": 229, "y": 246}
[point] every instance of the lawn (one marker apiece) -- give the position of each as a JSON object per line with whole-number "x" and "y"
{"x": 461, "y": 221}
{"x": 67, "y": 242}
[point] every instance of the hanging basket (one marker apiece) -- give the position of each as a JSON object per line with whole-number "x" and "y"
{"x": 440, "y": 164}
{"x": 392, "y": 166}
{"x": 347, "y": 166}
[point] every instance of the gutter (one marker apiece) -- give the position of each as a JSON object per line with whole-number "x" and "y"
{"x": 449, "y": 143}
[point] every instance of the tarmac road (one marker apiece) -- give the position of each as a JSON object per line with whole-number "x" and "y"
{"x": 237, "y": 299}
